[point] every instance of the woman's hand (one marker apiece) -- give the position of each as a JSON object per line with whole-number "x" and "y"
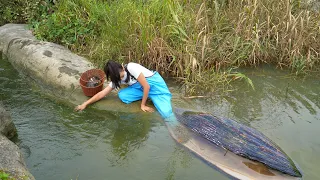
{"x": 95, "y": 98}
{"x": 80, "y": 107}
{"x": 146, "y": 108}
{"x": 146, "y": 87}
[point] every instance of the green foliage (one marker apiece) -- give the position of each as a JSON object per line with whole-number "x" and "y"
{"x": 299, "y": 65}
{"x": 10, "y": 11}
{"x": 5, "y": 176}
{"x": 64, "y": 28}
{"x": 23, "y": 11}
{"x": 196, "y": 41}
{"x": 242, "y": 76}
{"x": 67, "y": 29}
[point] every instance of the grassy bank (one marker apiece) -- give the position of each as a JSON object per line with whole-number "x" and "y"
{"x": 200, "y": 41}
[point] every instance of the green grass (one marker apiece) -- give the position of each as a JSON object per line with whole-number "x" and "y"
{"x": 5, "y": 176}
{"x": 199, "y": 42}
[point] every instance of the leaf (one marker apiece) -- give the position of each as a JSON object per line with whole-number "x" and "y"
{"x": 242, "y": 76}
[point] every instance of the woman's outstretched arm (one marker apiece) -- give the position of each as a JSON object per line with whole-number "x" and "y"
{"x": 95, "y": 98}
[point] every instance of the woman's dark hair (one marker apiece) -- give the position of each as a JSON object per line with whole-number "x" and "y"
{"x": 112, "y": 70}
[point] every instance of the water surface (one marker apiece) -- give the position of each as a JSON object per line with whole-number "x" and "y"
{"x": 59, "y": 143}
{"x": 284, "y": 107}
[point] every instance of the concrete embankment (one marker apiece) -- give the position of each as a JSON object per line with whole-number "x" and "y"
{"x": 11, "y": 159}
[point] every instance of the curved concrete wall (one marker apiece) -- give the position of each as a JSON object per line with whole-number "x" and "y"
{"x": 49, "y": 63}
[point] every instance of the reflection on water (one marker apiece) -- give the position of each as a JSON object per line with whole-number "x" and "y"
{"x": 59, "y": 143}
{"x": 129, "y": 135}
{"x": 260, "y": 168}
{"x": 178, "y": 158}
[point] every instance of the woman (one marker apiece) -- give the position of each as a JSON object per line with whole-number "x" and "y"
{"x": 142, "y": 83}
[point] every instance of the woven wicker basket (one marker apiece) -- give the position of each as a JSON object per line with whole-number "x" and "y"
{"x": 85, "y": 78}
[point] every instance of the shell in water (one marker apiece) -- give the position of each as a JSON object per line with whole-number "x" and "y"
{"x": 239, "y": 139}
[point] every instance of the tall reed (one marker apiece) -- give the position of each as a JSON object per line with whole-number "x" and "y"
{"x": 200, "y": 42}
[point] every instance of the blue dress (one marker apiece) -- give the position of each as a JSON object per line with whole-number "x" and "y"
{"x": 158, "y": 93}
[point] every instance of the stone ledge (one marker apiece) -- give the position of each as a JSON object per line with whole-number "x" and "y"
{"x": 11, "y": 160}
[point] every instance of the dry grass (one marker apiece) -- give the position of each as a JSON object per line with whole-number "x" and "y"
{"x": 199, "y": 42}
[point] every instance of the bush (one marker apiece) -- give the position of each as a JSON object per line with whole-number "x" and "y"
{"x": 24, "y": 11}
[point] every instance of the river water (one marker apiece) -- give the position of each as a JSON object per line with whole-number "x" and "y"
{"x": 59, "y": 143}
